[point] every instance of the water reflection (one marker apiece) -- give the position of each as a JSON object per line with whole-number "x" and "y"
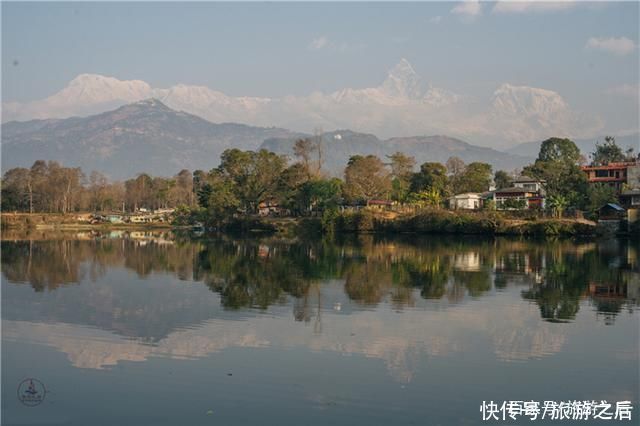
{"x": 253, "y": 273}
{"x": 308, "y": 323}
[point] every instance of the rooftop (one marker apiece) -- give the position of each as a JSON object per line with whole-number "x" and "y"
{"x": 526, "y": 179}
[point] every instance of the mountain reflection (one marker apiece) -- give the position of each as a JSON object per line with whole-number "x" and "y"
{"x": 258, "y": 273}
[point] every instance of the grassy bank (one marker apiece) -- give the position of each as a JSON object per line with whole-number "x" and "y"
{"x": 428, "y": 221}
{"x": 71, "y": 222}
{"x": 448, "y": 222}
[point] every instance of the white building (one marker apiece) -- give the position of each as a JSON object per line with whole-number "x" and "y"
{"x": 466, "y": 201}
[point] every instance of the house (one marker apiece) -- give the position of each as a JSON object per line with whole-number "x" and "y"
{"x": 380, "y": 204}
{"x": 630, "y": 198}
{"x": 526, "y": 193}
{"x": 271, "y": 208}
{"x": 611, "y": 211}
{"x": 530, "y": 184}
{"x": 613, "y": 174}
{"x": 466, "y": 201}
{"x": 140, "y": 218}
{"x": 114, "y": 218}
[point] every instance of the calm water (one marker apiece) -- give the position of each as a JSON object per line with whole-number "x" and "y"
{"x": 159, "y": 329}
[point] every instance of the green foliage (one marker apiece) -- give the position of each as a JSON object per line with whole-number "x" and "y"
{"x": 432, "y": 176}
{"x": 319, "y": 194}
{"x": 428, "y": 198}
{"x": 512, "y": 203}
{"x": 223, "y": 201}
{"x": 401, "y": 172}
{"x": 502, "y": 180}
{"x": 253, "y": 175}
{"x": 607, "y": 152}
{"x": 558, "y": 204}
{"x": 558, "y": 149}
{"x": 476, "y": 177}
{"x": 557, "y": 165}
{"x": 600, "y": 194}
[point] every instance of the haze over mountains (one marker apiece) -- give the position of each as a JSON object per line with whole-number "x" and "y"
{"x": 145, "y": 136}
{"x": 148, "y": 136}
{"x": 404, "y": 104}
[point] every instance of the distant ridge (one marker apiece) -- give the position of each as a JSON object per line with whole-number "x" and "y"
{"x": 341, "y": 144}
{"x": 148, "y": 136}
{"x": 145, "y": 136}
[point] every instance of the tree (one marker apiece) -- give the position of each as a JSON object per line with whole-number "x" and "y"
{"x": 303, "y": 149}
{"x": 182, "y": 191}
{"x": 476, "y": 177}
{"x": 558, "y": 149}
{"x": 319, "y": 194}
{"x": 600, "y": 194}
{"x": 455, "y": 166}
{"x": 430, "y": 197}
{"x": 557, "y": 165}
{"x": 502, "y": 180}
{"x": 366, "y": 178}
{"x": 222, "y": 201}
{"x": 608, "y": 152}
{"x": 254, "y": 175}
{"x": 430, "y": 176}
{"x": 15, "y": 189}
{"x": 401, "y": 172}
{"x": 558, "y": 204}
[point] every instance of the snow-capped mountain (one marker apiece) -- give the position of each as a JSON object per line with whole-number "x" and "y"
{"x": 524, "y": 112}
{"x": 403, "y": 82}
{"x": 402, "y": 105}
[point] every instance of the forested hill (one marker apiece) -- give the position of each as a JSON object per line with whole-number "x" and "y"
{"x": 338, "y": 146}
{"x": 145, "y": 136}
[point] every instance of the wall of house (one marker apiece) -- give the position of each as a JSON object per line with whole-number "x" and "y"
{"x": 633, "y": 176}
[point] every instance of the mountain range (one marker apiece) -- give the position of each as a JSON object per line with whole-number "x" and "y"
{"x": 148, "y": 136}
{"x": 339, "y": 145}
{"x": 145, "y": 136}
{"x": 403, "y": 104}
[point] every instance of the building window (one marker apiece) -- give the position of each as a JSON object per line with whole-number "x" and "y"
{"x": 602, "y": 173}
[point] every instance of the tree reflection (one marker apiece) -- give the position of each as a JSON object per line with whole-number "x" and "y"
{"x": 260, "y": 272}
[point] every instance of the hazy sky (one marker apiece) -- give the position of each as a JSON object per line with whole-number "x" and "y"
{"x": 587, "y": 52}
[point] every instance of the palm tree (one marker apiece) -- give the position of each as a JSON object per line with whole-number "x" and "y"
{"x": 558, "y": 204}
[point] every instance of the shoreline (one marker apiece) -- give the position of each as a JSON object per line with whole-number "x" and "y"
{"x": 437, "y": 222}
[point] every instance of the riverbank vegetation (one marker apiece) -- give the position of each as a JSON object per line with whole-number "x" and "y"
{"x": 376, "y": 195}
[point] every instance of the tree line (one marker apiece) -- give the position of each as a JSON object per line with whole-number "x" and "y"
{"x": 49, "y": 187}
{"x": 246, "y": 179}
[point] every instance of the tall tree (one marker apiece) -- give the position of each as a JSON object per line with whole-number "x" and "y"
{"x": 15, "y": 189}
{"x": 607, "y": 152}
{"x": 366, "y": 178}
{"x": 455, "y": 166}
{"x": 476, "y": 177}
{"x": 502, "y": 179}
{"x": 255, "y": 175}
{"x": 431, "y": 176}
{"x": 401, "y": 172}
{"x": 303, "y": 149}
{"x": 557, "y": 165}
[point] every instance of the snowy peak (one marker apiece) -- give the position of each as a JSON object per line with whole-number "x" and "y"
{"x": 528, "y": 101}
{"x": 95, "y": 88}
{"x": 403, "y": 82}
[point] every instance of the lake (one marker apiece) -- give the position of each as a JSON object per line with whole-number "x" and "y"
{"x": 148, "y": 328}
